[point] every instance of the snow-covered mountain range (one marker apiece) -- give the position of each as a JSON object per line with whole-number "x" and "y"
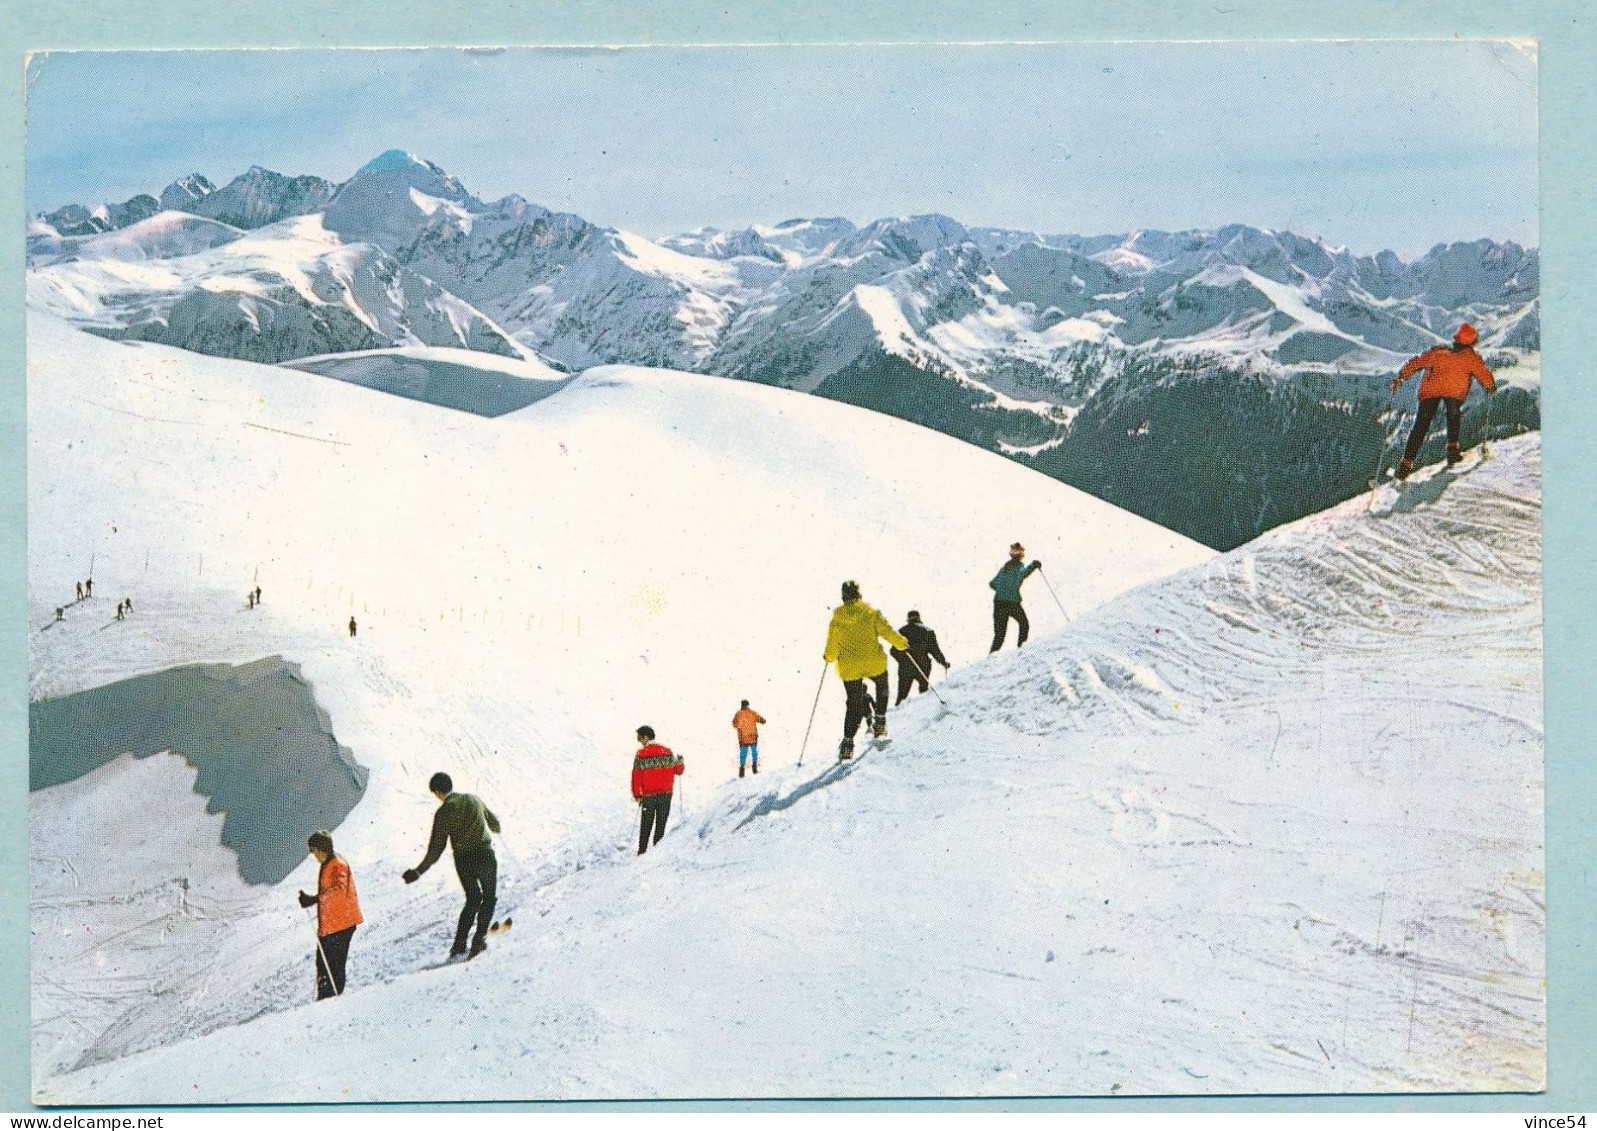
{"x": 1194, "y": 840}
{"x": 1220, "y": 357}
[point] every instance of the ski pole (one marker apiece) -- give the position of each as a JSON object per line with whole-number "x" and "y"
{"x": 1057, "y": 601}
{"x": 929, "y": 684}
{"x": 327, "y": 967}
{"x": 805, "y": 744}
{"x": 1375, "y": 480}
{"x": 1380, "y": 458}
{"x": 1486, "y": 440}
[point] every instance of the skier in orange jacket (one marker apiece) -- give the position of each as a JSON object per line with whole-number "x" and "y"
{"x": 337, "y": 914}
{"x": 747, "y": 723}
{"x": 1448, "y": 373}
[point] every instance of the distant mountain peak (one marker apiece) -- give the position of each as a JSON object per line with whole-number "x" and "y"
{"x": 394, "y": 160}
{"x": 184, "y": 191}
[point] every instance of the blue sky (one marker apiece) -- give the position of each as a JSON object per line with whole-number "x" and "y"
{"x": 1372, "y": 145}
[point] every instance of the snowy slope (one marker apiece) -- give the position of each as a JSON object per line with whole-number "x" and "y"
{"x": 1271, "y": 823}
{"x": 166, "y": 235}
{"x": 640, "y": 546}
{"x": 468, "y": 380}
{"x": 286, "y": 290}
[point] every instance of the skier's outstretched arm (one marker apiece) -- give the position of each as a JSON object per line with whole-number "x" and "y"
{"x": 1484, "y": 376}
{"x": 435, "y": 846}
{"x": 1411, "y": 367}
{"x": 488, "y": 815}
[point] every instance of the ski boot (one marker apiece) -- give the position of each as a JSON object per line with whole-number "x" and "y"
{"x": 1453, "y": 456}
{"x": 1405, "y": 469}
{"x": 741, "y": 771}
{"x": 880, "y": 729}
{"x": 756, "y": 767}
{"x": 477, "y": 948}
{"x": 845, "y": 750}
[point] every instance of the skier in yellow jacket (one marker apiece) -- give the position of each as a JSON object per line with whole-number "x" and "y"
{"x": 851, "y": 645}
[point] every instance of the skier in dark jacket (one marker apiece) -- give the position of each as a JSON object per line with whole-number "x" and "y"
{"x": 654, "y": 774}
{"x": 1006, "y": 597}
{"x": 915, "y": 662}
{"x": 464, "y": 821}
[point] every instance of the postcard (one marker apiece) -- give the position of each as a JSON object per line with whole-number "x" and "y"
{"x": 766, "y": 572}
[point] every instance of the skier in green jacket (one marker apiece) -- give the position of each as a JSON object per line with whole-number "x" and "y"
{"x": 1006, "y": 597}
{"x": 464, "y": 821}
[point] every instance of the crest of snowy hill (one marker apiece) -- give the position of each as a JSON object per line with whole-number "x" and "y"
{"x": 1049, "y": 348}
{"x": 639, "y": 546}
{"x": 1197, "y": 840}
{"x": 467, "y": 380}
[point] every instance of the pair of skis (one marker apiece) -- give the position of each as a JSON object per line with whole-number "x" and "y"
{"x": 1455, "y": 468}
{"x": 866, "y": 744}
{"x": 498, "y": 927}
{"x": 1420, "y": 477}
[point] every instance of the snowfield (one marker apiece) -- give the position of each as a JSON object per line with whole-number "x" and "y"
{"x": 273, "y": 293}
{"x": 1269, "y": 821}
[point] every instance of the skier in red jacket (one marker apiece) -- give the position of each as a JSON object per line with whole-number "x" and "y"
{"x": 1448, "y": 373}
{"x": 654, "y": 771}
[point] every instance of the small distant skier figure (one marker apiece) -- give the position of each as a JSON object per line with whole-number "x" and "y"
{"x": 249, "y": 600}
{"x": 851, "y": 644}
{"x": 119, "y": 610}
{"x": 80, "y": 590}
{"x": 88, "y": 587}
{"x": 337, "y": 914}
{"x": 1448, "y": 373}
{"x": 129, "y": 604}
{"x": 747, "y": 723}
{"x": 1006, "y": 597}
{"x": 654, "y": 774}
{"x": 257, "y": 594}
{"x": 58, "y": 612}
{"x": 352, "y": 626}
{"x": 915, "y": 662}
{"x": 464, "y": 821}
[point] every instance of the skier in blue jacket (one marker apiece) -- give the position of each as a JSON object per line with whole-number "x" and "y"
{"x": 1006, "y": 597}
